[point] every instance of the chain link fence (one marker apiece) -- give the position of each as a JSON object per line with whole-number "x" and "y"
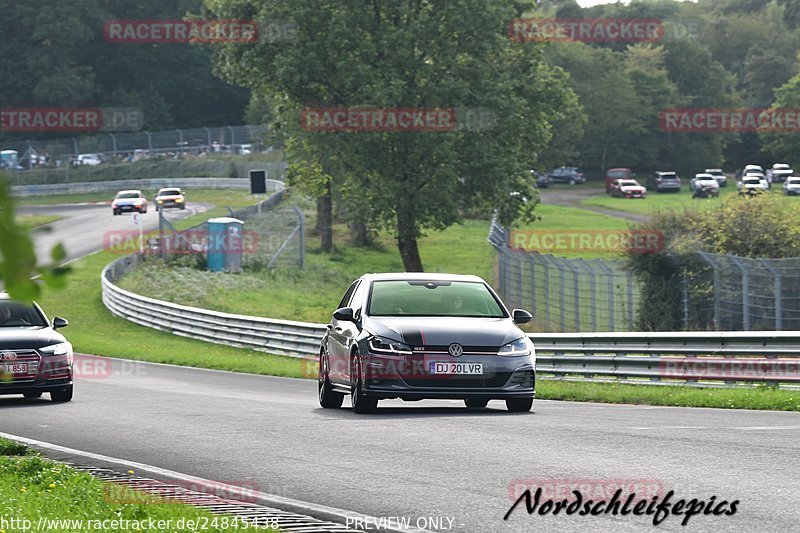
{"x": 566, "y": 294}
{"x": 272, "y": 236}
{"x": 714, "y": 291}
{"x": 200, "y": 152}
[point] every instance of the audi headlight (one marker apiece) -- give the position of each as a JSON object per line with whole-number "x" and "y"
{"x": 387, "y": 346}
{"x": 521, "y": 346}
{"x": 62, "y": 348}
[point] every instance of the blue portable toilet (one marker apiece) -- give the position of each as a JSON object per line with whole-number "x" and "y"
{"x": 224, "y": 251}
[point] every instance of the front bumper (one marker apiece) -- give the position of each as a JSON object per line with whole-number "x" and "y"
{"x": 128, "y": 208}
{"x": 45, "y": 374}
{"x": 409, "y": 378}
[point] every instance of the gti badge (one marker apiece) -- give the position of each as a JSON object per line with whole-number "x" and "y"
{"x": 455, "y": 349}
{"x": 8, "y": 356}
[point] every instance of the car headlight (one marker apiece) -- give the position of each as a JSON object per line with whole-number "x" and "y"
{"x": 521, "y": 346}
{"x": 62, "y": 348}
{"x": 387, "y": 346}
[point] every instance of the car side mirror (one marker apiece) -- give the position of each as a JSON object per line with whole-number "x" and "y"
{"x": 59, "y": 322}
{"x": 521, "y": 316}
{"x": 344, "y": 314}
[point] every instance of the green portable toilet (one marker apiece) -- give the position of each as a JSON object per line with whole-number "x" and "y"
{"x": 225, "y": 244}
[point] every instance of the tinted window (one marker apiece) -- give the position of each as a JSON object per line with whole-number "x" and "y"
{"x": 15, "y": 314}
{"x": 433, "y": 298}
{"x": 348, "y": 294}
{"x": 128, "y": 195}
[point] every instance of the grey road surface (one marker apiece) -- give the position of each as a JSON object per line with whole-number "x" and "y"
{"x": 425, "y": 460}
{"x": 87, "y": 228}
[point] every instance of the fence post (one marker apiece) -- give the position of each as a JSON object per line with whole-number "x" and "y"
{"x": 778, "y": 294}
{"x": 302, "y": 224}
{"x": 708, "y": 258}
{"x": 587, "y": 266}
{"x": 745, "y": 293}
{"x": 610, "y": 276}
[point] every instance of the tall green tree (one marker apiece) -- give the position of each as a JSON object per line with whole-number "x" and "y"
{"x": 412, "y": 54}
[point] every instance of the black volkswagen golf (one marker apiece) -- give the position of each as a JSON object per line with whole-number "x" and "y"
{"x": 34, "y": 357}
{"x": 415, "y": 336}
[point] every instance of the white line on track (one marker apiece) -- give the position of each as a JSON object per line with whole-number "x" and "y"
{"x": 312, "y": 509}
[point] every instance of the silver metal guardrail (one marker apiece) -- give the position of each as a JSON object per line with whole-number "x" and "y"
{"x": 282, "y": 337}
{"x": 696, "y": 359}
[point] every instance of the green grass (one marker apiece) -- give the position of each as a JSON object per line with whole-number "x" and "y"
{"x": 34, "y": 488}
{"x": 94, "y": 330}
{"x": 35, "y": 221}
{"x": 659, "y": 201}
{"x": 763, "y": 398}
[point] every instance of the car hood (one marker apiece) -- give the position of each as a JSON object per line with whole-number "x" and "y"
{"x": 28, "y": 338}
{"x": 631, "y": 188}
{"x": 442, "y": 331}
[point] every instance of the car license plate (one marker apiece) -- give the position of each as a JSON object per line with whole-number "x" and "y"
{"x": 18, "y": 368}
{"x": 468, "y": 369}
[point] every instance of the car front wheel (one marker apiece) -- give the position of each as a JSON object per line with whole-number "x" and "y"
{"x": 519, "y": 405}
{"x": 327, "y": 397}
{"x": 361, "y": 404}
{"x": 61, "y": 396}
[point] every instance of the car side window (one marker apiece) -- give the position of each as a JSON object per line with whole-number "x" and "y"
{"x": 349, "y": 294}
{"x": 358, "y": 299}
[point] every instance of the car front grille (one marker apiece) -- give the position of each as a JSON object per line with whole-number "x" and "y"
{"x": 29, "y": 357}
{"x": 465, "y": 382}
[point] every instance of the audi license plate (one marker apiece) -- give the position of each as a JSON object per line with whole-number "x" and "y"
{"x": 17, "y": 368}
{"x": 464, "y": 369}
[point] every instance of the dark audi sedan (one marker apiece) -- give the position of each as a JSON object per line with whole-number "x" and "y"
{"x": 34, "y": 357}
{"x": 417, "y": 336}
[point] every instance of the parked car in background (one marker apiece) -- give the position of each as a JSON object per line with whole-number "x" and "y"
{"x": 91, "y": 160}
{"x": 703, "y": 179}
{"x": 780, "y": 172}
{"x": 752, "y": 183}
{"x": 34, "y": 357}
{"x": 664, "y": 182}
{"x": 540, "y": 181}
{"x": 170, "y": 197}
{"x": 756, "y": 168}
{"x": 627, "y": 189}
{"x": 618, "y": 174}
{"x": 129, "y": 202}
{"x": 720, "y": 176}
{"x": 791, "y": 187}
{"x": 571, "y": 175}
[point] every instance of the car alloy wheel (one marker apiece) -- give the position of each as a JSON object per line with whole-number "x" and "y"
{"x": 361, "y": 403}
{"x": 572, "y": 181}
{"x": 327, "y": 397}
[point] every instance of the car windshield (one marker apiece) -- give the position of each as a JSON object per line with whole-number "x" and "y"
{"x": 628, "y": 183}
{"x": 714, "y": 172}
{"x": 17, "y": 315}
{"x": 751, "y": 181}
{"x": 169, "y": 192}
{"x": 128, "y": 195}
{"x": 433, "y": 298}
{"x": 616, "y": 174}
{"x": 668, "y": 176}
{"x": 794, "y": 181}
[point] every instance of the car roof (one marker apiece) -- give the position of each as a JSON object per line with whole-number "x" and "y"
{"x": 713, "y": 170}
{"x": 130, "y": 190}
{"x": 169, "y": 189}
{"x": 422, "y": 276}
{"x": 703, "y": 175}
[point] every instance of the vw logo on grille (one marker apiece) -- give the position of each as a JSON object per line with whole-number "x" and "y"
{"x": 8, "y": 356}
{"x": 455, "y": 349}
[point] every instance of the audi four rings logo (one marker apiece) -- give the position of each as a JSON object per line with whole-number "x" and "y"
{"x": 455, "y": 349}
{"x": 8, "y": 356}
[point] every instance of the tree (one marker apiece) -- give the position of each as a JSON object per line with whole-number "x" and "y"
{"x": 415, "y": 54}
{"x": 17, "y": 257}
